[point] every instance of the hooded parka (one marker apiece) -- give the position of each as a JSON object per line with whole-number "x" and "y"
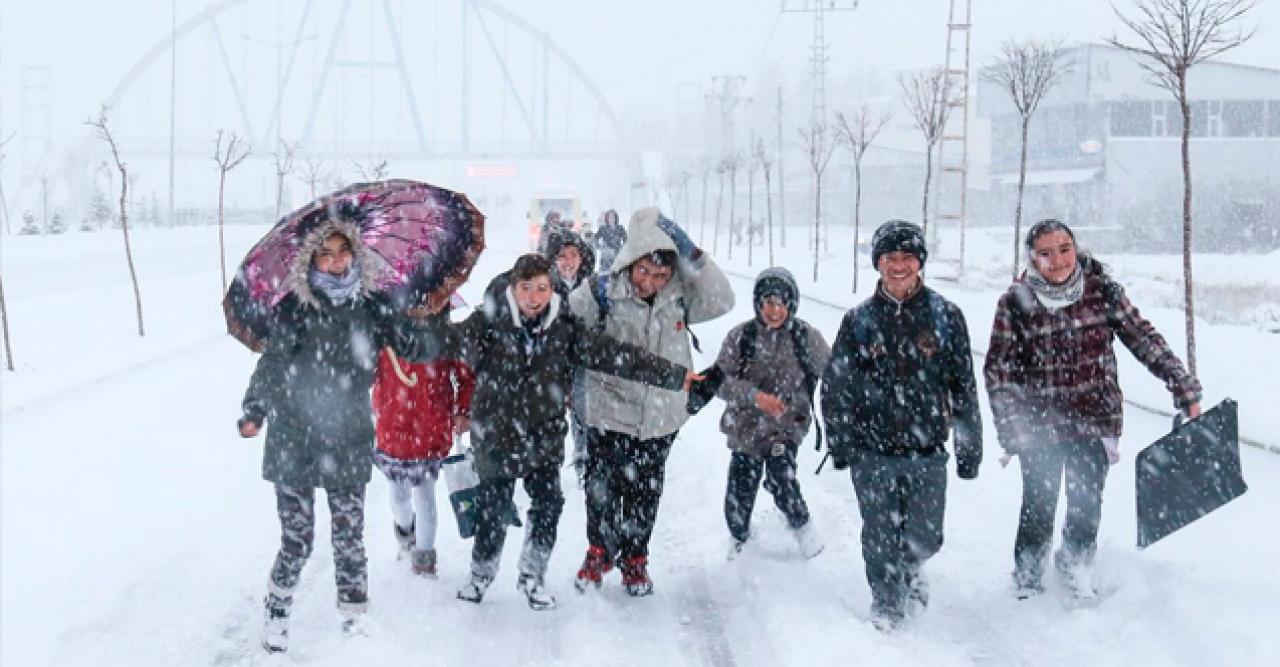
{"x": 698, "y": 291}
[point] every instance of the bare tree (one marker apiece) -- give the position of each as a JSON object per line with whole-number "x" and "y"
{"x": 228, "y": 158}
{"x": 819, "y": 143}
{"x": 373, "y": 169}
{"x": 104, "y": 133}
{"x": 311, "y": 173}
{"x": 4, "y": 204}
{"x": 283, "y": 159}
{"x": 4, "y": 310}
{"x": 1172, "y": 37}
{"x": 732, "y": 163}
{"x": 752, "y": 165}
{"x": 763, "y": 158}
{"x": 928, "y": 96}
{"x": 859, "y": 131}
{"x": 721, "y": 168}
{"x": 705, "y": 166}
{"x": 1026, "y": 71}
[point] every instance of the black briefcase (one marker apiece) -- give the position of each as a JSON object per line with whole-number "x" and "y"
{"x": 1188, "y": 473}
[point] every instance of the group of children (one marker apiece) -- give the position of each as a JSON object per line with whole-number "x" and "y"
{"x": 613, "y": 351}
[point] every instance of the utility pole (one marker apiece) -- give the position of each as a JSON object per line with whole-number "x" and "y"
{"x": 818, "y": 61}
{"x": 782, "y": 180}
{"x": 173, "y": 97}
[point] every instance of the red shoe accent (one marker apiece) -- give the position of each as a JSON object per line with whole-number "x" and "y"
{"x": 635, "y": 576}
{"x": 593, "y": 569}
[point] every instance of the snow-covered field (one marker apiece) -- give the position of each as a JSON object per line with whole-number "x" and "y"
{"x": 135, "y": 529}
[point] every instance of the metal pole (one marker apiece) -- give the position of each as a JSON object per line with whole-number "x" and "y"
{"x": 173, "y": 97}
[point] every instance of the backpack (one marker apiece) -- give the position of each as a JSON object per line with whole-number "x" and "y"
{"x": 701, "y": 393}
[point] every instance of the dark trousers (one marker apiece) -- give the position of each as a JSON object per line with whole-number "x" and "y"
{"x": 902, "y": 501}
{"x": 623, "y": 487}
{"x": 1043, "y": 467}
{"x": 493, "y": 500}
{"x": 296, "y": 508}
{"x": 779, "y": 474}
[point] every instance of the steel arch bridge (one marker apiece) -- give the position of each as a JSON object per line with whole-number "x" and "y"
{"x": 398, "y": 80}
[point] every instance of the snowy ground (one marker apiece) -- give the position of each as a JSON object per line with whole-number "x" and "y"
{"x": 135, "y": 530}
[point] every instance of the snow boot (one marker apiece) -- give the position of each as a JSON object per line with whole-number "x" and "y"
{"x": 275, "y": 628}
{"x": 735, "y": 548}
{"x": 885, "y": 618}
{"x": 1078, "y": 581}
{"x": 1026, "y": 586}
{"x": 474, "y": 589}
{"x": 635, "y": 576}
{"x": 593, "y": 569}
{"x": 809, "y": 540}
{"x": 405, "y": 540}
{"x": 354, "y": 623}
{"x": 539, "y": 598}
{"x": 424, "y": 562}
{"x": 917, "y": 593}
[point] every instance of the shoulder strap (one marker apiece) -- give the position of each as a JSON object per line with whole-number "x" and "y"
{"x": 747, "y": 347}
{"x": 800, "y": 340}
{"x": 601, "y": 293}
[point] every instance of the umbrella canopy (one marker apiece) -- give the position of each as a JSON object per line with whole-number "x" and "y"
{"x": 1188, "y": 473}
{"x": 424, "y": 239}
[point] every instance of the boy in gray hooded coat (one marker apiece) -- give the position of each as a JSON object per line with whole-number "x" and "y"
{"x": 771, "y": 365}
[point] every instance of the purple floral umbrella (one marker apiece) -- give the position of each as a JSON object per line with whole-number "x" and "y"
{"x": 426, "y": 238}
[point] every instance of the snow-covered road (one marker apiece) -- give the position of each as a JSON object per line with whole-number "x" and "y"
{"x": 136, "y": 530}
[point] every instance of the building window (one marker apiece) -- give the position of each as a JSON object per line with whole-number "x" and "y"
{"x": 1214, "y": 120}
{"x": 1131, "y": 119}
{"x": 1173, "y": 119}
{"x": 1159, "y": 119}
{"x": 1243, "y": 118}
{"x": 1273, "y": 118}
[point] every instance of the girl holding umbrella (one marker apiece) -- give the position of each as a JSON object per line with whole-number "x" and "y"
{"x": 321, "y": 338}
{"x": 1051, "y": 377}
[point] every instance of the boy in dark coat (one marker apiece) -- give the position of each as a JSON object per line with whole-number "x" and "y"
{"x": 524, "y": 347}
{"x": 311, "y": 386}
{"x": 899, "y": 382}
{"x": 771, "y": 366}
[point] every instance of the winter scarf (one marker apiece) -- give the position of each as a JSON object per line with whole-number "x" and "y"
{"x": 339, "y": 289}
{"x": 1055, "y": 297}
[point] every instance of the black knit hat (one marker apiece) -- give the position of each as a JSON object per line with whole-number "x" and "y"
{"x": 898, "y": 235}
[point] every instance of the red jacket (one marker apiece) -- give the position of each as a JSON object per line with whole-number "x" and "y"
{"x": 416, "y": 422}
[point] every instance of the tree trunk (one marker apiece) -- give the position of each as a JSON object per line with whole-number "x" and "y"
{"x": 857, "y": 215}
{"x": 751, "y": 183}
{"x": 702, "y": 233}
{"x": 733, "y": 200}
{"x": 924, "y": 205}
{"x": 1017, "y": 211}
{"x": 4, "y": 317}
{"x": 1187, "y": 282}
{"x": 817, "y": 220}
{"x": 222, "y": 246}
{"x": 768, "y": 207}
{"x": 715, "y": 232}
{"x": 279, "y": 193}
{"x": 4, "y": 210}
{"x": 128, "y": 250}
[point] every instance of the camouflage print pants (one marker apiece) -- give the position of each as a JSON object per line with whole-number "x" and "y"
{"x": 296, "y": 507}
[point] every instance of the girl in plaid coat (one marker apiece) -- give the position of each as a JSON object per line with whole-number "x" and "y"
{"x": 1051, "y": 377}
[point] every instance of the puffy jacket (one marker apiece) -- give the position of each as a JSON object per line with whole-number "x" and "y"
{"x": 415, "y": 420}
{"x": 697, "y": 292}
{"x": 901, "y": 380}
{"x": 523, "y": 376}
{"x": 311, "y": 384}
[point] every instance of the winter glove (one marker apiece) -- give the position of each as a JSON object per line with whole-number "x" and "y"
{"x": 846, "y": 459}
{"x": 967, "y": 468}
{"x": 684, "y": 244}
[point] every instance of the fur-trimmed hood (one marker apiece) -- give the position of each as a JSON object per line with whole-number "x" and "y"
{"x": 371, "y": 264}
